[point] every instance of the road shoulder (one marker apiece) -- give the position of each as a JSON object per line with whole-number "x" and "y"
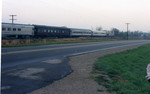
{"x": 79, "y": 81}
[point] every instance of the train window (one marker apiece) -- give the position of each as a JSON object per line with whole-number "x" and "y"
{"x": 9, "y": 29}
{"x": 44, "y": 30}
{"x": 55, "y": 31}
{"x": 52, "y": 31}
{"x": 14, "y": 29}
{"x": 63, "y": 31}
{"x": 3, "y": 29}
{"x": 19, "y": 29}
{"x": 48, "y": 30}
{"x": 39, "y": 30}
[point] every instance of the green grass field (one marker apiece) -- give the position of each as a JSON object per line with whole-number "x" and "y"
{"x": 126, "y": 71}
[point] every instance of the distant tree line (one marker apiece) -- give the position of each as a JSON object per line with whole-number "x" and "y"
{"x": 131, "y": 34}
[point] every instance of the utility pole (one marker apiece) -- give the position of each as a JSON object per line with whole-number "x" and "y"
{"x": 12, "y": 18}
{"x": 127, "y": 30}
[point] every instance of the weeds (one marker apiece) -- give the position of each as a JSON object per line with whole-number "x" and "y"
{"x": 127, "y": 71}
{"x": 34, "y": 42}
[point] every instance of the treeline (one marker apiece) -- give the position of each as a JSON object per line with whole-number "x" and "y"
{"x": 127, "y": 35}
{"x": 130, "y": 34}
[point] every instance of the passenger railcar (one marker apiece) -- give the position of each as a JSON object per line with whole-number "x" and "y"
{"x": 80, "y": 32}
{"x": 99, "y": 34}
{"x": 26, "y": 31}
{"x": 51, "y": 31}
{"x": 17, "y": 30}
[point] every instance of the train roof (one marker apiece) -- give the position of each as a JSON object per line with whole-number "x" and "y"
{"x": 3, "y": 23}
{"x": 44, "y": 26}
{"x": 80, "y": 29}
{"x": 63, "y": 27}
{"x": 100, "y": 31}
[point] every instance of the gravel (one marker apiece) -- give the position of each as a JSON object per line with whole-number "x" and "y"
{"x": 79, "y": 81}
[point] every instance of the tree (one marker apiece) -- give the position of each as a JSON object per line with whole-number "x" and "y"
{"x": 116, "y": 31}
{"x": 99, "y": 28}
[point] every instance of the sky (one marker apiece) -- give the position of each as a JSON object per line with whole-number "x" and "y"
{"x": 87, "y": 14}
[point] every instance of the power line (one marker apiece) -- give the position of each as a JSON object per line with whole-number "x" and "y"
{"x": 127, "y": 30}
{"x": 12, "y": 18}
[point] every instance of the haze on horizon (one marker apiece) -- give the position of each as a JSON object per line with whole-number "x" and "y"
{"x": 80, "y": 13}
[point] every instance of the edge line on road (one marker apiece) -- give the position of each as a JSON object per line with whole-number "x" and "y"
{"x": 37, "y": 50}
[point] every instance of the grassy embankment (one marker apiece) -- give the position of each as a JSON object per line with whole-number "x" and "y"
{"x": 124, "y": 72}
{"x": 35, "y": 42}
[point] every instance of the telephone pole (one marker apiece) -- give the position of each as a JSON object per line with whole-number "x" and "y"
{"x": 12, "y": 18}
{"x": 127, "y": 30}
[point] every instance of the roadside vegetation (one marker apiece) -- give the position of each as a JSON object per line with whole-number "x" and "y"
{"x": 35, "y": 42}
{"x": 124, "y": 73}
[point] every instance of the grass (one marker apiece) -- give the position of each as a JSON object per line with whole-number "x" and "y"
{"x": 36, "y": 42}
{"x": 127, "y": 71}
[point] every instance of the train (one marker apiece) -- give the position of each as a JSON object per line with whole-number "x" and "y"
{"x": 42, "y": 31}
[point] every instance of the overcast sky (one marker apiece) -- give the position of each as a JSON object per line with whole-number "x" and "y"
{"x": 80, "y": 13}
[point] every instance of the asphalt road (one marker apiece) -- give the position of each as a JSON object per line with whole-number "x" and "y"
{"x": 28, "y": 68}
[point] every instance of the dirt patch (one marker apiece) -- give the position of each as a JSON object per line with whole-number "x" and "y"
{"x": 53, "y": 61}
{"x": 79, "y": 82}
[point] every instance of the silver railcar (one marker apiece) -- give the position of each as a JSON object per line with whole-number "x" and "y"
{"x": 99, "y": 34}
{"x": 17, "y": 30}
{"x": 80, "y": 32}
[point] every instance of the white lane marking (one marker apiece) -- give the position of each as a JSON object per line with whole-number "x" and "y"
{"x": 105, "y": 49}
